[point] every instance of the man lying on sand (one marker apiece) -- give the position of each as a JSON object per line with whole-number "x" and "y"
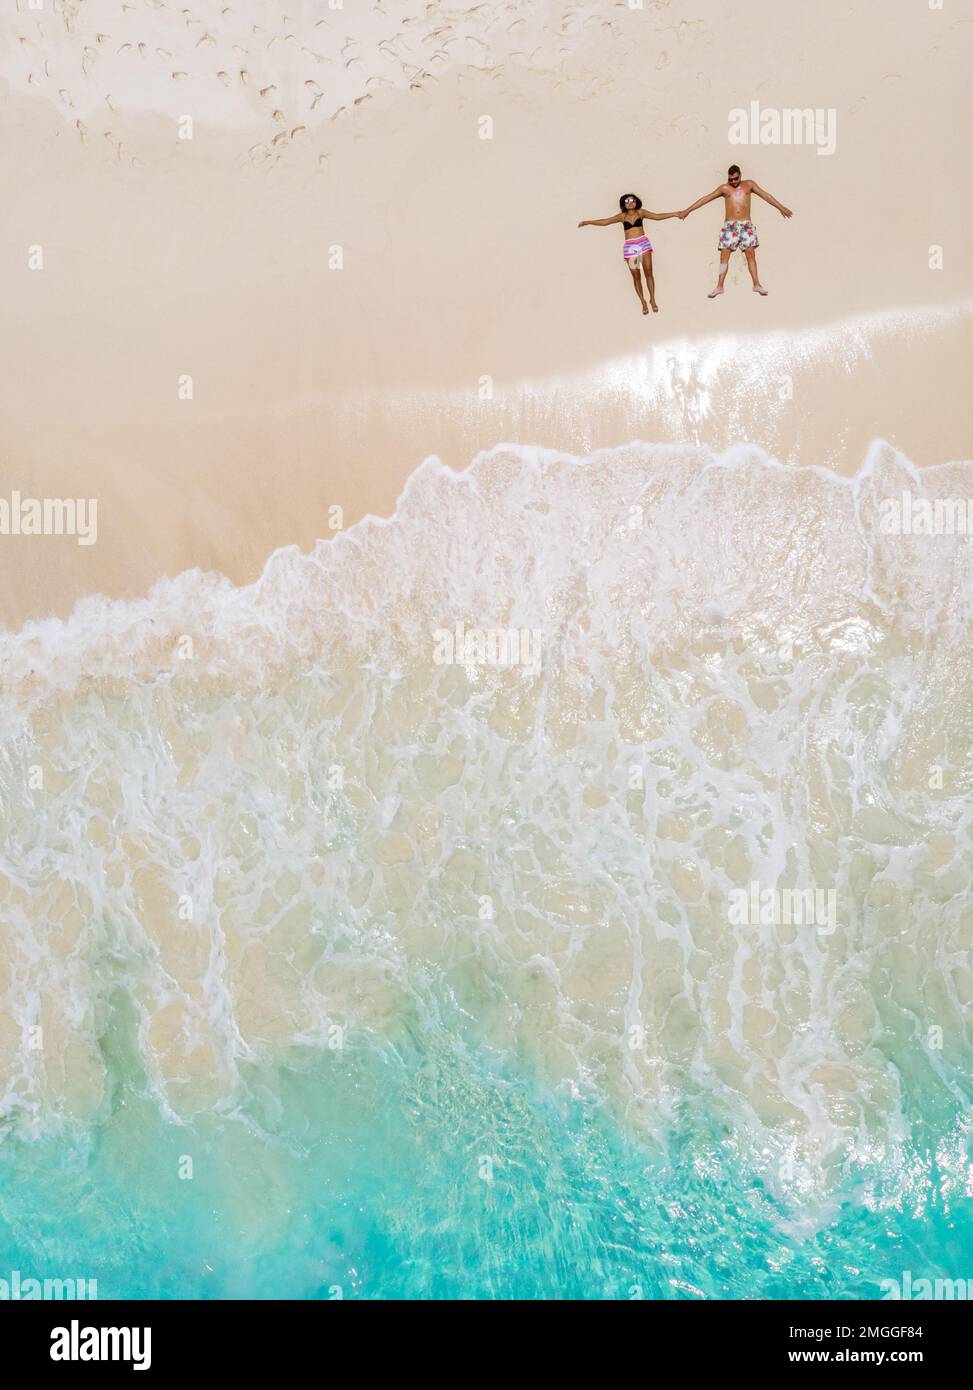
{"x": 739, "y": 233}
{"x": 637, "y": 249}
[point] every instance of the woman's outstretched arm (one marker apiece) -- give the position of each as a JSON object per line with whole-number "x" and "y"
{"x": 656, "y": 216}
{"x": 601, "y": 221}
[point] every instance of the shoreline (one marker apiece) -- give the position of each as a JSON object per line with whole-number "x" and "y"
{"x": 53, "y": 656}
{"x": 223, "y": 492}
{"x": 338, "y": 275}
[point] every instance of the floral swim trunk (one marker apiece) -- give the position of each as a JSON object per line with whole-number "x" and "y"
{"x": 738, "y": 236}
{"x": 636, "y": 247}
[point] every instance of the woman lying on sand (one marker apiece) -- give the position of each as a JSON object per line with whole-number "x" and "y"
{"x": 637, "y": 249}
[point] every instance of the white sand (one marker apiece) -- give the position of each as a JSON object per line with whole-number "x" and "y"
{"x": 315, "y": 386}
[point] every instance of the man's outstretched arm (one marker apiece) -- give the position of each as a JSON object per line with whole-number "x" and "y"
{"x": 769, "y": 198}
{"x": 716, "y": 193}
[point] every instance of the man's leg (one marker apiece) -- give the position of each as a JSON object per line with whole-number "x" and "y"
{"x": 724, "y": 262}
{"x": 633, "y": 266}
{"x": 649, "y": 279}
{"x": 751, "y": 256}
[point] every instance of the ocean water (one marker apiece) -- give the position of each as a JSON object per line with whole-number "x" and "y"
{"x": 340, "y": 958}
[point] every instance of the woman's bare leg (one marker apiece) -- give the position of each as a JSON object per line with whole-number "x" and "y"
{"x": 637, "y": 282}
{"x": 649, "y": 279}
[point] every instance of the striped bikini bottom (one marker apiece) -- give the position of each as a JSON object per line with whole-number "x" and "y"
{"x": 636, "y": 247}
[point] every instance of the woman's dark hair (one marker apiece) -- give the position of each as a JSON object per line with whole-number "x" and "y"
{"x": 621, "y": 201}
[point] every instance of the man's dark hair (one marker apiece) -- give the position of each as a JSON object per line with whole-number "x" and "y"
{"x": 621, "y": 201}
{"x": 733, "y": 169}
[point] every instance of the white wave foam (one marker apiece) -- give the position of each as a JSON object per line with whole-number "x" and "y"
{"x": 299, "y": 820}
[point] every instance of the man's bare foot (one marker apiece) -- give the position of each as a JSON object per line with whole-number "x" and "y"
{"x": 655, "y": 307}
{"x": 759, "y": 289}
{"x": 713, "y": 293}
{"x": 645, "y": 307}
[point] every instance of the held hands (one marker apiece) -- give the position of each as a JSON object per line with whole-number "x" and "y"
{"x": 683, "y": 215}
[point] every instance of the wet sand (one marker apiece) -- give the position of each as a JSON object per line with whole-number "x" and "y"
{"x": 467, "y": 308}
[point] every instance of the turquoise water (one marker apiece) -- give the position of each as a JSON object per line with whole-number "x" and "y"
{"x": 368, "y": 1175}
{"x": 567, "y": 1069}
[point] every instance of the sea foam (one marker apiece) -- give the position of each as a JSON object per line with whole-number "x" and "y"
{"x": 270, "y": 820}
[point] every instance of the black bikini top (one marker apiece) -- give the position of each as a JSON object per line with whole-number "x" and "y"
{"x": 630, "y": 225}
